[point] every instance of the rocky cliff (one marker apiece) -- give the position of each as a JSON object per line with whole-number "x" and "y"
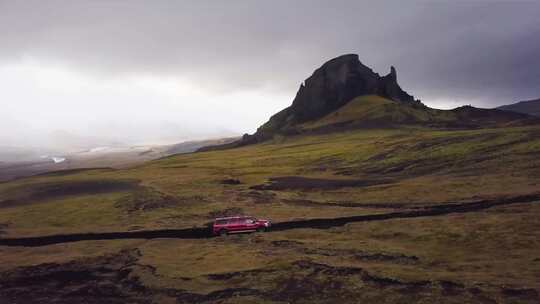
{"x": 331, "y": 86}
{"x": 345, "y": 94}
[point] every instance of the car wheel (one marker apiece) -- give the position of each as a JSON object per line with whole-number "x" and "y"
{"x": 223, "y": 232}
{"x": 261, "y": 229}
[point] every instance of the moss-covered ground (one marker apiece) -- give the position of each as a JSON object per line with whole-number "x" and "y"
{"x": 490, "y": 256}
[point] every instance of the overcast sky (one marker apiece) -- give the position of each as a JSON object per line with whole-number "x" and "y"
{"x": 166, "y": 71}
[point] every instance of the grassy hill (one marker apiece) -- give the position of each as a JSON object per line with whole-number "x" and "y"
{"x": 530, "y": 107}
{"x": 373, "y": 111}
{"x": 471, "y": 257}
{"x": 377, "y": 111}
{"x": 345, "y": 94}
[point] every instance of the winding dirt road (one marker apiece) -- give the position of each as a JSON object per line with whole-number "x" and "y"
{"x": 320, "y": 223}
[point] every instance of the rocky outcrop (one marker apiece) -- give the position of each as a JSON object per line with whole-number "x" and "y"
{"x": 342, "y": 79}
{"x": 331, "y": 86}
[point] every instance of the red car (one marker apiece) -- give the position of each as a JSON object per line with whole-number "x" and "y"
{"x": 238, "y": 224}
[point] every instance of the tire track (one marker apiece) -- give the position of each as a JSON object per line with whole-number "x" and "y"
{"x": 320, "y": 223}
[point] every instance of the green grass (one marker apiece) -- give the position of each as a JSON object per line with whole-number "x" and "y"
{"x": 490, "y": 250}
{"x": 373, "y": 110}
{"x": 425, "y": 166}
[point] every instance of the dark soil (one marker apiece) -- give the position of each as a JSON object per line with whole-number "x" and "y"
{"x": 521, "y": 293}
{"x": 386, "y": 257}
{"x": 105, "y": 279}
{"x": 146, "y": 199}
{"x": 74, "y": 171}
{"x": 286, "y": 244}
{"x": 396, "y": 258}
{"x": 115, "y": 278}
{"x": 3, "y": 226}
{"x": 305, "y": 281}
{"x": 225, "y": 213}
{"x": 259, "y": 197}
{"x": 310, "y": 203}
{"x": 39, "y": 192}
{"x": 305, "y": 183}
{"x": 230, "y": 181}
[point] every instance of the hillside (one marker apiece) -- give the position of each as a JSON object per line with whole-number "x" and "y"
{"x": 373, "y": 111}
{"x": 530, "y": 107}
{"x": 331, "y": 178}
{"x": 26, "y": 163}
{"x": 194, "y": 145}
{"x": 344, "y": 93}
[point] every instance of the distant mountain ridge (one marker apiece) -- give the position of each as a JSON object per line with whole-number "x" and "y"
{"x": 193, "y": 145}
{"x": 530, "y": 107}
{"x": 344, "y": 93}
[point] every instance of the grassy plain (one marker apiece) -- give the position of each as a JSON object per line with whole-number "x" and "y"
{"x": 492, "y": 256}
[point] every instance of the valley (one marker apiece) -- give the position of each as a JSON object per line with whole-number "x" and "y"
{"x": 30, "y": 162}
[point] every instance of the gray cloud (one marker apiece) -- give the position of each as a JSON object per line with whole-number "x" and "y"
{"x": 238, "y": 44}
{"x": 447, "y": 52}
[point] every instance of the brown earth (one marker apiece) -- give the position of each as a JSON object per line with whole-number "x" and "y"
{"x": 305, "y": 183}
{"x": 311, "y": 273}
{"x": 39, "y": 192}
{"x": 120, "y": 278}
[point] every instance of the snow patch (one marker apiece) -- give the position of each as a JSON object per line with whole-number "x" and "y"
{"x": 58, "y": 160}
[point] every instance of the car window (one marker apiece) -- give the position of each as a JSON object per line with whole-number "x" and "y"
{"x": 221, "y": 222}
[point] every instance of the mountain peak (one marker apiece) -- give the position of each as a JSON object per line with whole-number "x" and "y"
{"x": 331, "y": 86}
{"x": 393, "y": 74}
{"x": 334, "y": 84}
{"x": 337, "y": 82}
{"x": 344, "y": 93}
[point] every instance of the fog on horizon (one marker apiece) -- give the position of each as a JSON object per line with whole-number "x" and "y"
{"x": 86, "y": 73}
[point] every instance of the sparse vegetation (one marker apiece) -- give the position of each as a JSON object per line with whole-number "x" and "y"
{"x": 452, "y": 259}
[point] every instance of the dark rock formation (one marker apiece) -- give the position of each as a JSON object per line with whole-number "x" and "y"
{"x": 330, "y": 87}
{"x": 344, "y": 78}
{"x": 389, "y": 88}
